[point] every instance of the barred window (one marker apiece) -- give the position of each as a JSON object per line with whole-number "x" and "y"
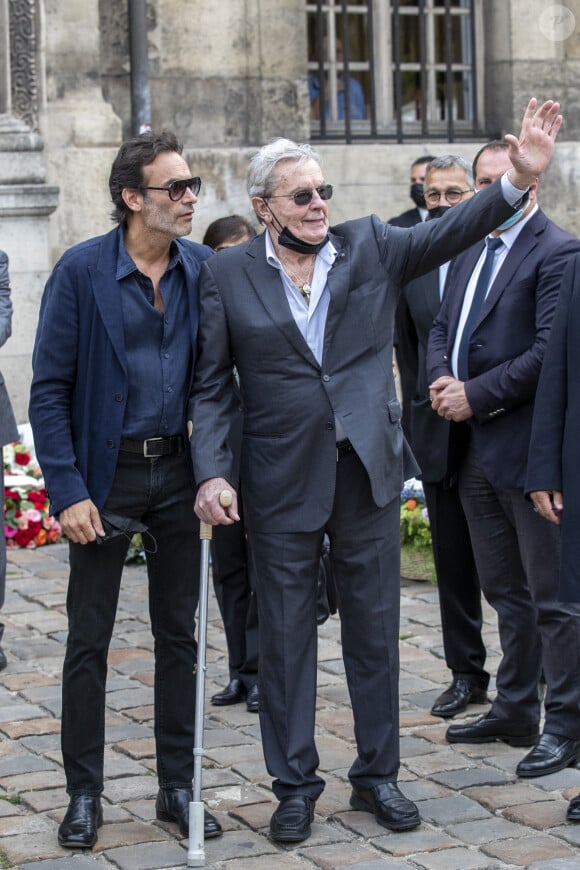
{"x": 393, "y": 69}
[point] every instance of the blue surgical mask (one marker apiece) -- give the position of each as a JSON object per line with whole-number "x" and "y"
{"x": 511, "y": 220}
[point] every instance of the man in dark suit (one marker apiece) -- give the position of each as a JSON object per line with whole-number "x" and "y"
{"x": 113, "y": 369}
{"x": 8, "y": 427}
{"x": 448, "y": 181}
{"x": 307, "y": 316}
{"x": 405, "y": 346}
{"x": 417, "y": 193}
{"x": 553, "y": 473}
{"x": 484, "y": 358}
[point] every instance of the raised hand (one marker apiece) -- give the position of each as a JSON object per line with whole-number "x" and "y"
{"x": 530, "y": 154}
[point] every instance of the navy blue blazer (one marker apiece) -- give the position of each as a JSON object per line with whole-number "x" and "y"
{"x": 507, "y": 345}
{"x": 553, "y": 456}
{"x": 79, "y": 385}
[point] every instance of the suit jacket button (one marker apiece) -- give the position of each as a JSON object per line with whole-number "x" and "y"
{"x": 325, "y": 377}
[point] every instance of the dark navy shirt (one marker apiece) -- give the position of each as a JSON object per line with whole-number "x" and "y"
{"x": 158, "y": 348}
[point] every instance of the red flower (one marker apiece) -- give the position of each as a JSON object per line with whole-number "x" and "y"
{"x": 38, "y": 498}
{"x": 22, "y": 458}
{"x": 23, "y": 537}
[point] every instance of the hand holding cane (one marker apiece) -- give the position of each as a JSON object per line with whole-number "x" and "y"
{"x": 196, "y": 853}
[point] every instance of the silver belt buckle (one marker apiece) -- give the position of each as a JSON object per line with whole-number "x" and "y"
{"x": 146, "y": 443}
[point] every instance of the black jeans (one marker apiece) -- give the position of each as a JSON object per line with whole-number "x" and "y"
{"x": 160, "y": 493}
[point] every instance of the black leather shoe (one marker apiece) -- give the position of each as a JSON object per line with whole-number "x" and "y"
{"x": 488, "y": 728}
{"x": 78, "y": 829}
{"x": 573, "y": 814}
{"x": 550, "y": 754}
{"x": 253, "y": 700}
{"x": 456, "y": 698}
{"x": 391, "y": 808}
{"x": 172, "y": 805}
{"x": 291, "y": 821}
{"x": 234, "y": 693}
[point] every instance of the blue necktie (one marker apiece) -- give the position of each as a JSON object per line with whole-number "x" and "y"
{"x": 479, "y": 295}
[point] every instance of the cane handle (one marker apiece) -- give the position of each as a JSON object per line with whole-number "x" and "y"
{"x": 205, "y": 529}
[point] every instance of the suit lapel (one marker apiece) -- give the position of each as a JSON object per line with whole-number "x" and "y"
{"x": 107, "y": 295}
{"x": 338, "y": 282}
{"x": 269, "y": 289}
{"x": 430, "y": 287}
{"x": 523, "y": 245}
{"x": 458, "y": 276}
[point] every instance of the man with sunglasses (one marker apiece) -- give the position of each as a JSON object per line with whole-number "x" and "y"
{"x": 113, "y": 368}
{"x": 306, "y": 313}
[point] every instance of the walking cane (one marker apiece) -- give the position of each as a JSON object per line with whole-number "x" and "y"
{"x": 196, "y": 853}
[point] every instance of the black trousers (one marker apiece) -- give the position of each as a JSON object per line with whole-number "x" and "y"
{"x": 457, "y": 585}
{"x": 365, "y": 552}
{"x": 233, "y": 585}
{"x": 160, "y": 493}
{"x": 517, "y": 553}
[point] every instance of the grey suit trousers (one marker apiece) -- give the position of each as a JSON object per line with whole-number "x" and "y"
{"x": 365, "y": 554}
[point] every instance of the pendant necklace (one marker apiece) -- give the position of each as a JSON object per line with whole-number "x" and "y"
{"x": 304, "y": 285}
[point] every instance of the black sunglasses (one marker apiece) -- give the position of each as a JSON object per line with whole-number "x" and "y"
{"x": 176, "y": 189}
{"x": 304, "y": 197}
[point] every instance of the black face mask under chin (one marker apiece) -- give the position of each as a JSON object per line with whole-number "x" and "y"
{"x": 416, "y": 193}
{"x": 292, "y": 242}
{"x": 289, "y": 240}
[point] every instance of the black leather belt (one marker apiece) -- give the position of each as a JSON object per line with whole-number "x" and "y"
{"x": 343, "y": 448}
{"x": 151, "y": 448}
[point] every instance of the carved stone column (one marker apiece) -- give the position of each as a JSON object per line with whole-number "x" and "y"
{"x": 26, "y": 200}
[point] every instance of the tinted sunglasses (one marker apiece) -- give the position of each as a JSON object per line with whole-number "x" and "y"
{"x": 176, "y": 189}
{"x": 304, "y": 197}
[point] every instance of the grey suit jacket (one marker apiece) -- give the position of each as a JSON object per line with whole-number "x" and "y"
{"x": 8, "y": 427}
{"x": 288, "y": 468}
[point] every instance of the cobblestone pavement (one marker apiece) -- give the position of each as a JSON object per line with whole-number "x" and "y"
{"x": 476, "y": 813}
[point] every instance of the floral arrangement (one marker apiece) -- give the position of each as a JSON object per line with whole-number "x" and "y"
{"x": 415, "y": 530}
{"x": 27, "y": 521}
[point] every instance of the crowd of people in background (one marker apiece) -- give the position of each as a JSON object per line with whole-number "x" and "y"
{"x": 259, "y": 362}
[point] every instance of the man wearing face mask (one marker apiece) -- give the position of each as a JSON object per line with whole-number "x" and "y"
{"x": 405, "y": 350}
{"x": 306, "y": 312}
{"x": 484, "y": 358}
{"x": 448, "y": 182}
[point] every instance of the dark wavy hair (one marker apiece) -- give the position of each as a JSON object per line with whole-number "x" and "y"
{"x": 233, "y": 227}
{"x": 127, "y": 168}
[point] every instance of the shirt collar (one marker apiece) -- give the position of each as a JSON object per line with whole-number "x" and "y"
{"x": 126, "y": 265}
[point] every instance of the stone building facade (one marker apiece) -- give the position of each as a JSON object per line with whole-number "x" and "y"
{"x": 228, "y": 75}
